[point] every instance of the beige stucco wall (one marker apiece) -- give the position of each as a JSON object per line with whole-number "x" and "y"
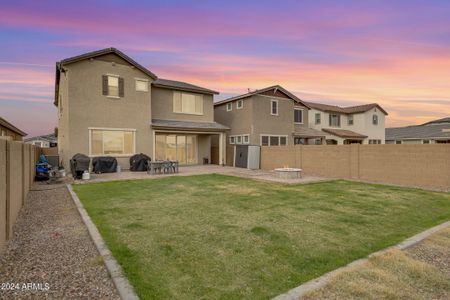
{"x": 86, "y": 107}
{"x": 238, "y": 120}
{"x": 255, "y": 118}
{"x": 204, "y": 148}
{"x": 362, "y": 123}
{"x": 425, "y": 166}
{"x": 13, "y": 135}
{"x": 162, "y": 107}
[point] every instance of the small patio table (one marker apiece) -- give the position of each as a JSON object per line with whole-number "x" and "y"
{"x": 162, "y": 165}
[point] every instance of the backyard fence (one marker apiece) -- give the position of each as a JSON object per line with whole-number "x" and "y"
{"x": 17, "y": 161}
{"x": 426, "y": 166}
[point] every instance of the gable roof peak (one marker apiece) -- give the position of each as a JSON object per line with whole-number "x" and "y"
{"x": 259, "y": 91}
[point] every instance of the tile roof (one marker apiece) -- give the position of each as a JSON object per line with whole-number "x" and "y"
{"x": 11, "y": 127}
{"x": 158, "y": 82}
{"x": 107, "y": 51}
{"x": 345, "y": 110}
{"x": 426, "y": 131}
{"x": 308, "y": 132}
{"x": 48, "y": 137}
{"x": 165, "y": 83}
{"x": 289, "y": 94}
{"x": 184, "y": 125}
{"x": 344, "y": 133}
{"x": 439, "y": 121}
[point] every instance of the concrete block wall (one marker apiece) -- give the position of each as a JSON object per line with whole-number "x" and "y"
{"x": 425, "y": 166}
{"x": 17, "y": 161}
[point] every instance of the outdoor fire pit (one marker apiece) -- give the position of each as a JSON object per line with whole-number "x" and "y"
{"x": 288, "y": 173}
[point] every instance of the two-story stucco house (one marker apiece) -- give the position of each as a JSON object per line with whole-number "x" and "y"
{"x": 109, "y": 105}
{"x": 363, "y": 124}
{"x": 268, "y": 117}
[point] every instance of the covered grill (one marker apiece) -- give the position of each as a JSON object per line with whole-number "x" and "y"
{"x": 78, "y": 164}
{"x": 139, "y": 162}
{"x": 104, "y": 164}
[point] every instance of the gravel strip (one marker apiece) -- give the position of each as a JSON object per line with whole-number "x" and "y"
{"x": 51, "y": 246}
{"x": 434, "y": 250}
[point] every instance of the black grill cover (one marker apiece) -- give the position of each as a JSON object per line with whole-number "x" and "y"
{"x": 104, "y": 164}
{"x": 78, "y": 164}
{"x": 139, "y": 162}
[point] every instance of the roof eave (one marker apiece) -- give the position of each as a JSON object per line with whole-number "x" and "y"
{"x": 206, "y": 91}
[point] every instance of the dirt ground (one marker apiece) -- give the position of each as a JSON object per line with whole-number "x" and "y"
{"x": 419, "y": 272}
{"x": 51, "y": 255}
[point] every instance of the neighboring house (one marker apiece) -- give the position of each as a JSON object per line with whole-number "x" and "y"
{"x": 434, "y": 132}
{"x": 43, "y": 141}
{"x": 10, "y": 132}
{"x": 362, "y": 124}
{"x": 268, "y": 117}
{"x": 109, "y": 105}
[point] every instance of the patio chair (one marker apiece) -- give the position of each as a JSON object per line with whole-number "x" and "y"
{"x": 167, "y": 166}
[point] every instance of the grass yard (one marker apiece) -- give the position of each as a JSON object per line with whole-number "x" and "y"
{"x": 223, "y": 237}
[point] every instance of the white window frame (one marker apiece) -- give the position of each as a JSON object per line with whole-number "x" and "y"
{"x": 244, "y": 138}
{"x": 90, "y": 129}
{"x": 184, "y": 112}
{"x": 301, "y": 109}
{"x": 232, "y": 140}
{"x": 330, "y": 118}
{"x": 118, "y": 86}
{"x": 229, "y": 106}
{"x": 143, "y": 80}
{"x": 375, "y": 117}
{"x": 271, "y": 107}
{"x": 315, "y": 118}
{"x": 239, "y": 104}
{"x": 272, "y": 135}
{"x": 352, "y": 119}
{"x": 238, "y": 140}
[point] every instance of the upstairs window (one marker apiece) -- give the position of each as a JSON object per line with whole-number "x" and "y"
{"x": 113, "y": 86}
{"x": 232, "y": 140}
{"x": 298, "y": 115}
{"x": 274, "y": 107}
{"x": 350, "y": 119}
{"x": 335, "y": 120}
{"x": 229, "y": 106}
{"x": 375, "y": 120}
{"x": 317, "y": 118}
{"x": 187, "y": 103}
{"x": 240, "y": 104}
{"x": 141, "y": 85}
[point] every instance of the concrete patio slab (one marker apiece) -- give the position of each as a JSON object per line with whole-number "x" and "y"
{"x": 269, "y": 176}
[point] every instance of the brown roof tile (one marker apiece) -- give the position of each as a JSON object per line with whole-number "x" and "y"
{"x": 273, "y": 87}
{"x": 346, "y": 110}
{"x": 344, "y": 133}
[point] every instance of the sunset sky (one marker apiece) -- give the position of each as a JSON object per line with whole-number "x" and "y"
{"x": 395, "y": 53}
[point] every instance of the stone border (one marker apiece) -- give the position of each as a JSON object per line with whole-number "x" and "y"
{"x": 122, "y": 284}
{"x": 301, "y": 290}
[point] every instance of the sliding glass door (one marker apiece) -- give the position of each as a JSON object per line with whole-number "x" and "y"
{"x": 181, "y": 147}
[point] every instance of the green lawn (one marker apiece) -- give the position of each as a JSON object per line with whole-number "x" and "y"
{"x": 223, "y": 237}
